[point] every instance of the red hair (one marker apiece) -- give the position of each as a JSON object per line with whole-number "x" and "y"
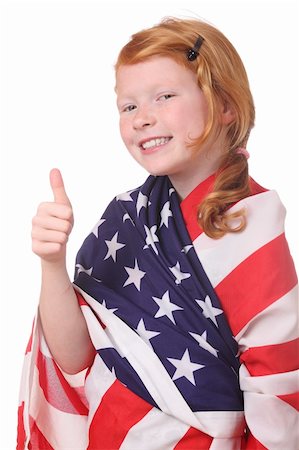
{"x": 222, "y": 78}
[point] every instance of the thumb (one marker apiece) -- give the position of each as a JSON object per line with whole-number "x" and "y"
{"x": 57, "y": 186}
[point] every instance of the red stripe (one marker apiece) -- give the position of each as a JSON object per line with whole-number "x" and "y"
{"x": 271, "y": 359}
{"x": 257, "y": 282}
{"x": 118, "y": 411}
{"x": 291, "y": 399}
{"x": 81, "y": 300}
{"x": 194, "y": 439}
{"x": 37, "y": 439}
{"x": 21, "y": 435}
{"x": 56, "y": 389}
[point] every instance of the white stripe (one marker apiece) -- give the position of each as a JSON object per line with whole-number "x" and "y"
{"x": 274, "y": 384}
{"x": 220, "y": 256}
{"x": 156, "y": 378}
{"x": 43, "y": 347}
{"x": 97, "y": 333}
{"x": 273, "y": 422}
{"x": 226, "y": 444}
{"x": 28, "y": 377}
{"x": 62, "y": 430}
{"x": 23, "y": 385}
{"x": 156, "y": 431}
{"x": 76, "y": 380}
{"x": 223, "y": 424}
{"x": 98, "y": 381}
{"x": 276, "y": 324}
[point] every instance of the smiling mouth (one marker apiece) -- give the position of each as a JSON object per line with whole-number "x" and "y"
{"x": 152, "y": 143}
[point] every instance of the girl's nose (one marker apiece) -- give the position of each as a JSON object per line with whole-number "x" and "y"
{"x": 144, "y": 117}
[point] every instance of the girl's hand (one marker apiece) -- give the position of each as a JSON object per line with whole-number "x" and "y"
{"x": 53, "y": 223}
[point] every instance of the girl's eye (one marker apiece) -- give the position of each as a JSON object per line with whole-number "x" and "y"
{"x": 129, "y": 108}
{"x": 165, "y": 96}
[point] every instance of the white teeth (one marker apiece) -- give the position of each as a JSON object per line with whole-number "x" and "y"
{"x": 155, "y": 142}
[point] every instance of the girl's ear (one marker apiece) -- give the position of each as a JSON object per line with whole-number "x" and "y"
{"x": 227, "y": 114}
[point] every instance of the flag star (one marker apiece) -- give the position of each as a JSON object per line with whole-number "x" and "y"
{"x": 126, "y": 216}
{"x": 185, "y": 367}
{"x": 165, "y": 214}
{"x": 146, "y": 334}
{"x": 95, "y": 229}
{"x": 171, "y": 191}
{"x": 125, "y": 197}
{"x": 166, "y": 308}
{"x": 110, "y": 309}
{"x": 209, "y": 311}
{"x": 141, "y": 202}
{"x": 113, "y": 247}
{"x": 151, "y": 238}
{"x": 186, "y": 249}
{"x": 135, "y": 276}
{"x": 83, "y": 269}
{"x": 202, "y": 340}
{"x": 179, "y": 275}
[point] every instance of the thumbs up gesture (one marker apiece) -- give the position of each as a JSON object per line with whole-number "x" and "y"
{"x": 53, "y": 223}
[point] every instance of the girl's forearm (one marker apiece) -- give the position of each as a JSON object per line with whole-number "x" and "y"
{"x": 62, "y": 320}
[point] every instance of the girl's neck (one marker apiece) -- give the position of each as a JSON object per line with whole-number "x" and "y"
{"x": 184, "y": 188}
{"x": 204, "y": 166}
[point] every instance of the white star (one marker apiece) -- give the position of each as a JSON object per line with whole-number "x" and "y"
{"x": 151, "y": 238}
{"x": 180, "y": 276}
{"x": 146, "y": 334}
{"x": 209, "y": 311}
{"x": 135, "y": 276}
{"x": 186, "y": 249}
{"x": 184, "y": 367}
{"x": 95, "y": 229}
{"x": 113, "y": 246}
{"x": 141, "y": 202}
{"x": 171, "y": 191}
{"x": 125, "y": 197}
{"x": 97, "y": 279}
{"x": 110, "y": 309}
{"x": 83, "y": 269}
{"x": 166, "y": 308}
{"x": 126, "y": 216}
{"x": 202, "y": 340}
{"x": 165, "y": 214}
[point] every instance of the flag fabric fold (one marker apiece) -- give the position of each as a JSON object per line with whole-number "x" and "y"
{"x": 170, "y": 330}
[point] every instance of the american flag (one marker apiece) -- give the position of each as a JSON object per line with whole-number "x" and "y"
{"x": 173, "y": 314}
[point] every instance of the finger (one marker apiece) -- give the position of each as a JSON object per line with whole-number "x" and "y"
{"x": 52, "y": 209}
{"x": 52, "y": 223}
{"x": 58, "y": 189}
{"x": 52, "y": 236}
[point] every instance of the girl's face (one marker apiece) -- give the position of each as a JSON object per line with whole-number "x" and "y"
{"x": 162, "y": 110}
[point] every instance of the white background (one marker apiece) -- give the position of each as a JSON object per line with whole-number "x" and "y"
{"x": 58, "y": 110}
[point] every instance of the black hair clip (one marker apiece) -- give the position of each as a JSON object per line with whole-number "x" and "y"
{"x": 192, "y": 53}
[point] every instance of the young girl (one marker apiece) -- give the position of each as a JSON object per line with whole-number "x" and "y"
{"x": 179, "y": 330}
